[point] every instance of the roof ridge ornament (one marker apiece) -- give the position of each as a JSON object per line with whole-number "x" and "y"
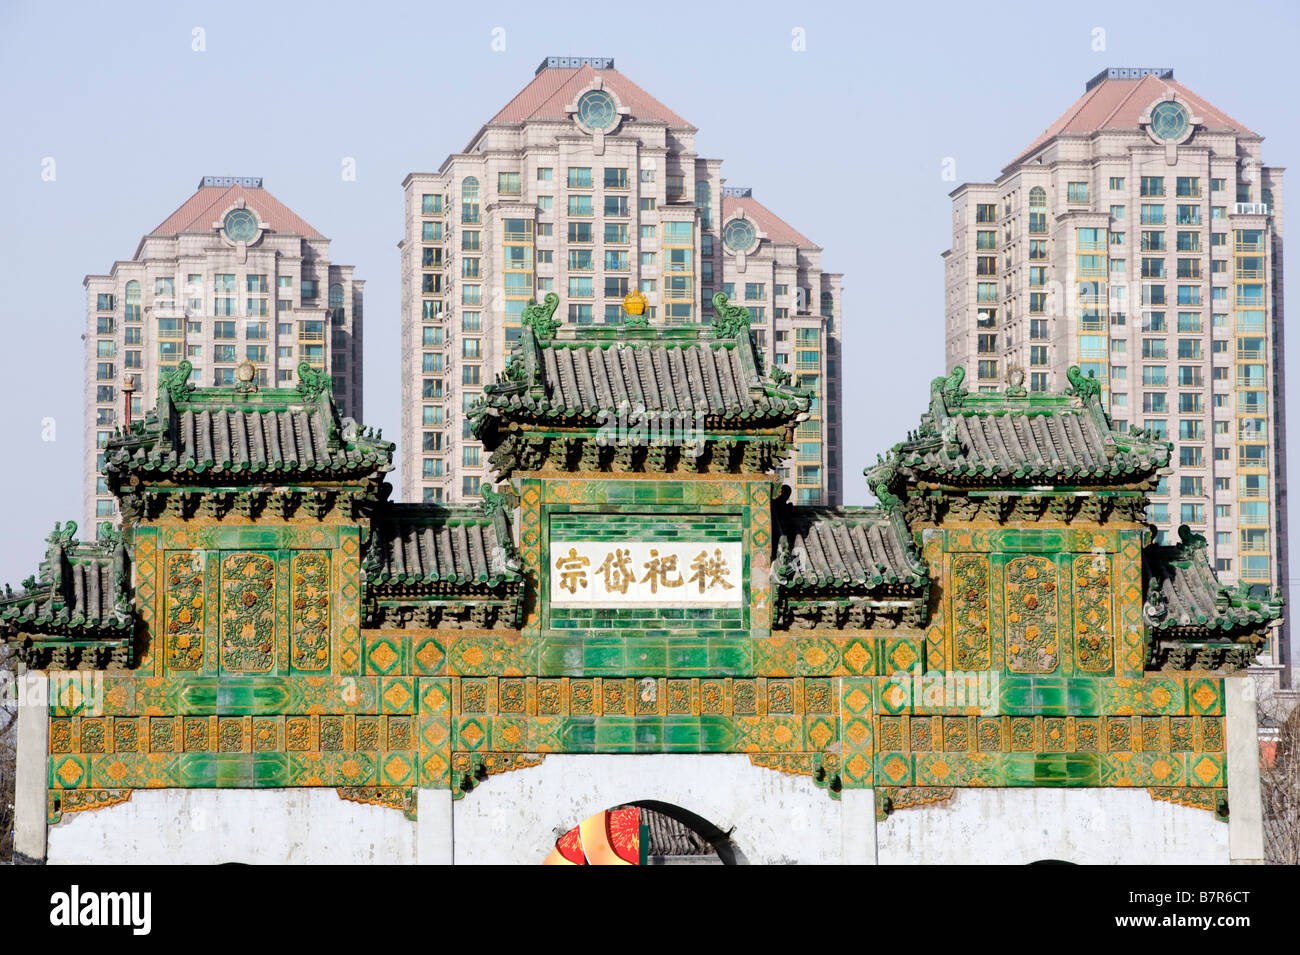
{"x": 729, "y": 320}
{"x": 1088, "y": 389}
{"x": 177, "y": 382}
{"x": 312, "y": 382}
{"x": 541, "y": 317}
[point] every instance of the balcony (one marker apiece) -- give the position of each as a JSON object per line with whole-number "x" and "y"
{"x": 1252, "y": 209}
{"x": 1257, "y": 246}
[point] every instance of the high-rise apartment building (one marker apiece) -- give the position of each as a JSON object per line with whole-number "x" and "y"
{"x": 233, "y": 277}
{"x": 1140, "y": 238}
{"x": 586, "y": 186}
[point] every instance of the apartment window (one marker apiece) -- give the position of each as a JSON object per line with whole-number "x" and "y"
{"x": 1153, "y": 295}
{"x": 1153, "y": 268}
{"x": 1191, "y": 429}
{"x": 580, "y": 287}
{"x": 471, "y": 295}
{"x": 1153, "y": 242}
{"x": 431, "y": 232}
{"x": 469, "y": 486}
{"x": 1189, "y": 295}
{"x": 469, "y": 268}
{"x": 223, "y": 330}
{"x": 615, "y": 177}
{"x": 1116, "y": 183}
{"x": 1192, "y": 514}
{"x": 579, "y": 177}
{"x": 430, "y": 205}
{"x": 1117, "y": 212}
{"x": 987, "y": 344}
{"x": 1153, "y": 186}
{"x": 1117, "y": 238}
{"x": 1189, "y": 186}
{"x": 1076, "y": 192}
{"x": 756, "y": 291}
{"x": 545, "y": 230}
{"x": 616, "y": 260}
{"x": 469, "y": 201}
{"x": 616, "y": 233}
{"x": 1153, "y": 214}
{"x": 257, "y": 353}
{"x": 1155, "y": 402}
{"x": 647, "y": 204}
{"x": 988, "y": 370}
{"x": 580, "y": 205}
{"x": 544, "y": 173}
{"x": 1191, "y": 402}
{"x": 309, "y": 288}
{"x": 579, "y": 231}
{"x": 1189, "y": 215}
{"x": 1191, "y": 456}
{"x": 1038, "y": 355}
{"x": 508, "y": 183}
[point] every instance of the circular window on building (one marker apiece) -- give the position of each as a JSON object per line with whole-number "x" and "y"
{"x": 1169, "y": 120}
{"x": 739, "y": 235}
{"x": 597, "y": 110}
{"x": 240, "y": 225}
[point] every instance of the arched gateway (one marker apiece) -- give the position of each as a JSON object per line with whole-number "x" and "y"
{"x": 271, "y": 662}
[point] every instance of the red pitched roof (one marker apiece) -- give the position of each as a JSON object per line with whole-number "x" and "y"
{"x": 205, "y": 207}
{"x": 555, "y": 88}
{"x": 1118, "y": 104}
{"x": 769, "y": 223}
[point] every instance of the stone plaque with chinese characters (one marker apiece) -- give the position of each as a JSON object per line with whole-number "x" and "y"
{"x": 642, "y": 574}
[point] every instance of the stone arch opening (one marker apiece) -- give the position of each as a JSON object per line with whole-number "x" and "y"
{"x": 645, "y": 832}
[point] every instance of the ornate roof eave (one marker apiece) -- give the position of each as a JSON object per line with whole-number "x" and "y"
{"x": 1232, "y": 622}
{"x": 1131, "y": 460}
{"x": 78, "y": 606}
{"x": 519, "y": 395}
{"x": 146, "y": 450}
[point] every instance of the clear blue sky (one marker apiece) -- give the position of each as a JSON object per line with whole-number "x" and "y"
{"x": 133, "y": 117}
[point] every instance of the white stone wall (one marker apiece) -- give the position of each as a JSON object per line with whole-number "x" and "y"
{"x": 214, "y": 826}
{"x": 1082, "y": 826}
{"x": 515, "y": 818}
